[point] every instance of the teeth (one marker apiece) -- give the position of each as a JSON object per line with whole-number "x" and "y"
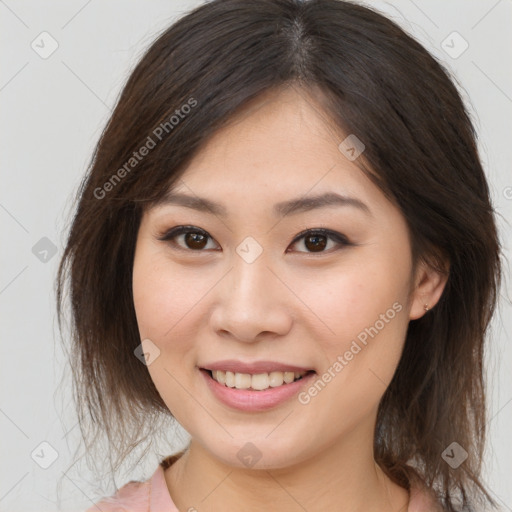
{"x": 230, "y": 379}
{"x": 258, "y": 381}
{"x": 242, "y": 381}
{"x": 275, "y": 379}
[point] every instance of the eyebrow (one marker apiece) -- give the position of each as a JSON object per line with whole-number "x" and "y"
{"x": 290, "y": 207}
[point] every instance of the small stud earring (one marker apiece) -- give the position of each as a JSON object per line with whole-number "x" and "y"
{"x": 425, "y": 307}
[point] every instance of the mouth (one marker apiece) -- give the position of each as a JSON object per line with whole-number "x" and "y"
{"x": 255, "y": 381}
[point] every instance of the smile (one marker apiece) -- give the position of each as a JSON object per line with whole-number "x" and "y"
{"x": 256, "y": 382}
{"x": 255, "y": 392}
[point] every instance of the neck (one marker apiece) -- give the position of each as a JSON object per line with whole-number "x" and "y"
{"x": 342, "y": 478}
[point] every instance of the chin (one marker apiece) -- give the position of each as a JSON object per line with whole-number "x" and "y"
{"x": 258, "y": 452}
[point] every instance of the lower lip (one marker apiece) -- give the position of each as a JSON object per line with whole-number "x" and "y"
{"x": 250, "y": 400}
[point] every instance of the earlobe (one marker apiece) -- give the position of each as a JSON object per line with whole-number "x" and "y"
{"x": 430, "y": 284}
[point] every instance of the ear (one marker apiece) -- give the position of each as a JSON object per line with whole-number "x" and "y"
{"x": 429, "y": 284}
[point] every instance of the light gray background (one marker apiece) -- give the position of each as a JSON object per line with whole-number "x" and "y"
{"x": 53, "y": 111}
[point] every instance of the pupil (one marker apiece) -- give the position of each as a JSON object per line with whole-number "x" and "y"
{"x": 195, "y": 240}
{"x": 316, "y": 246}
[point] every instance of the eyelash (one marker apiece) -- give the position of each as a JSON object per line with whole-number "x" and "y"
{"x": 171, "y": 234}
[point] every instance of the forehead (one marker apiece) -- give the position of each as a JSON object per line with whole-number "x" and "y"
{"x": 280, "y": 142}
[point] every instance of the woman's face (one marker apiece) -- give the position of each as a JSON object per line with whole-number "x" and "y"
{"x": 250, "y": 292}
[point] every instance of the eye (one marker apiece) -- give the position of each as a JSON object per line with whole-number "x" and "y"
{"x": 196, "y": 239}
{"x": 316, "y": 240}
{"x": 193, "y": 238}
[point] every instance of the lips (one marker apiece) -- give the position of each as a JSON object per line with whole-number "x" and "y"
{"x": 254, "y": 376}
{"x": 255, "y": 392}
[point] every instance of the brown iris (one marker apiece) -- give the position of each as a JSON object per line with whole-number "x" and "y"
{"x": 318, "y": 242}
{"x": 195, "y": 240}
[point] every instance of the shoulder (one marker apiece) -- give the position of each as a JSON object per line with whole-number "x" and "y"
{"x": 147, "y": 496}
{"x": 132, "y": 497}
{"x": 423, "y": 499}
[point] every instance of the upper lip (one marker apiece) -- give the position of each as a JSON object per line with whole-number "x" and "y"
{"x": 255, "y": 367}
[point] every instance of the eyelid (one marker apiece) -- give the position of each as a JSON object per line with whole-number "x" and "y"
{"x": 178, "y": 230}
{"x": 334, "y": 235}
{"x": 172, "y": 233}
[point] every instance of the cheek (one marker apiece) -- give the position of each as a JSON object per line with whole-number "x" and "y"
{"x": 165, "y": 301}
{"x": 365, "y": 311}
{"x": 163, "y": 294}
{"x": 161, "y": 304}
{"x": 362, "y": 311}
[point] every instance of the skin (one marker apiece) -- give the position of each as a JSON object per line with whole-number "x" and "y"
{"x": 291, "y": 304}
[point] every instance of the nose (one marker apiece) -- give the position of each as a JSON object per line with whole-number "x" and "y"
{"x": 251, "y": 303}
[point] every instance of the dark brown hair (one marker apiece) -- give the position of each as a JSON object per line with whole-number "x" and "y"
{"x": 372, "y": 80}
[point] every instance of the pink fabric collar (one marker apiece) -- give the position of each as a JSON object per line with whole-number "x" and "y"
{"x": 149, "y": 496}
{"x": 160, "y": 500}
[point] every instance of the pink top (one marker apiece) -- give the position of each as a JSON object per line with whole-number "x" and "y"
{"x": 153, "y": 495}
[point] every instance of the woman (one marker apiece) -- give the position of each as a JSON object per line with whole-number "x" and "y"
{"x": 286, "y": 220}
